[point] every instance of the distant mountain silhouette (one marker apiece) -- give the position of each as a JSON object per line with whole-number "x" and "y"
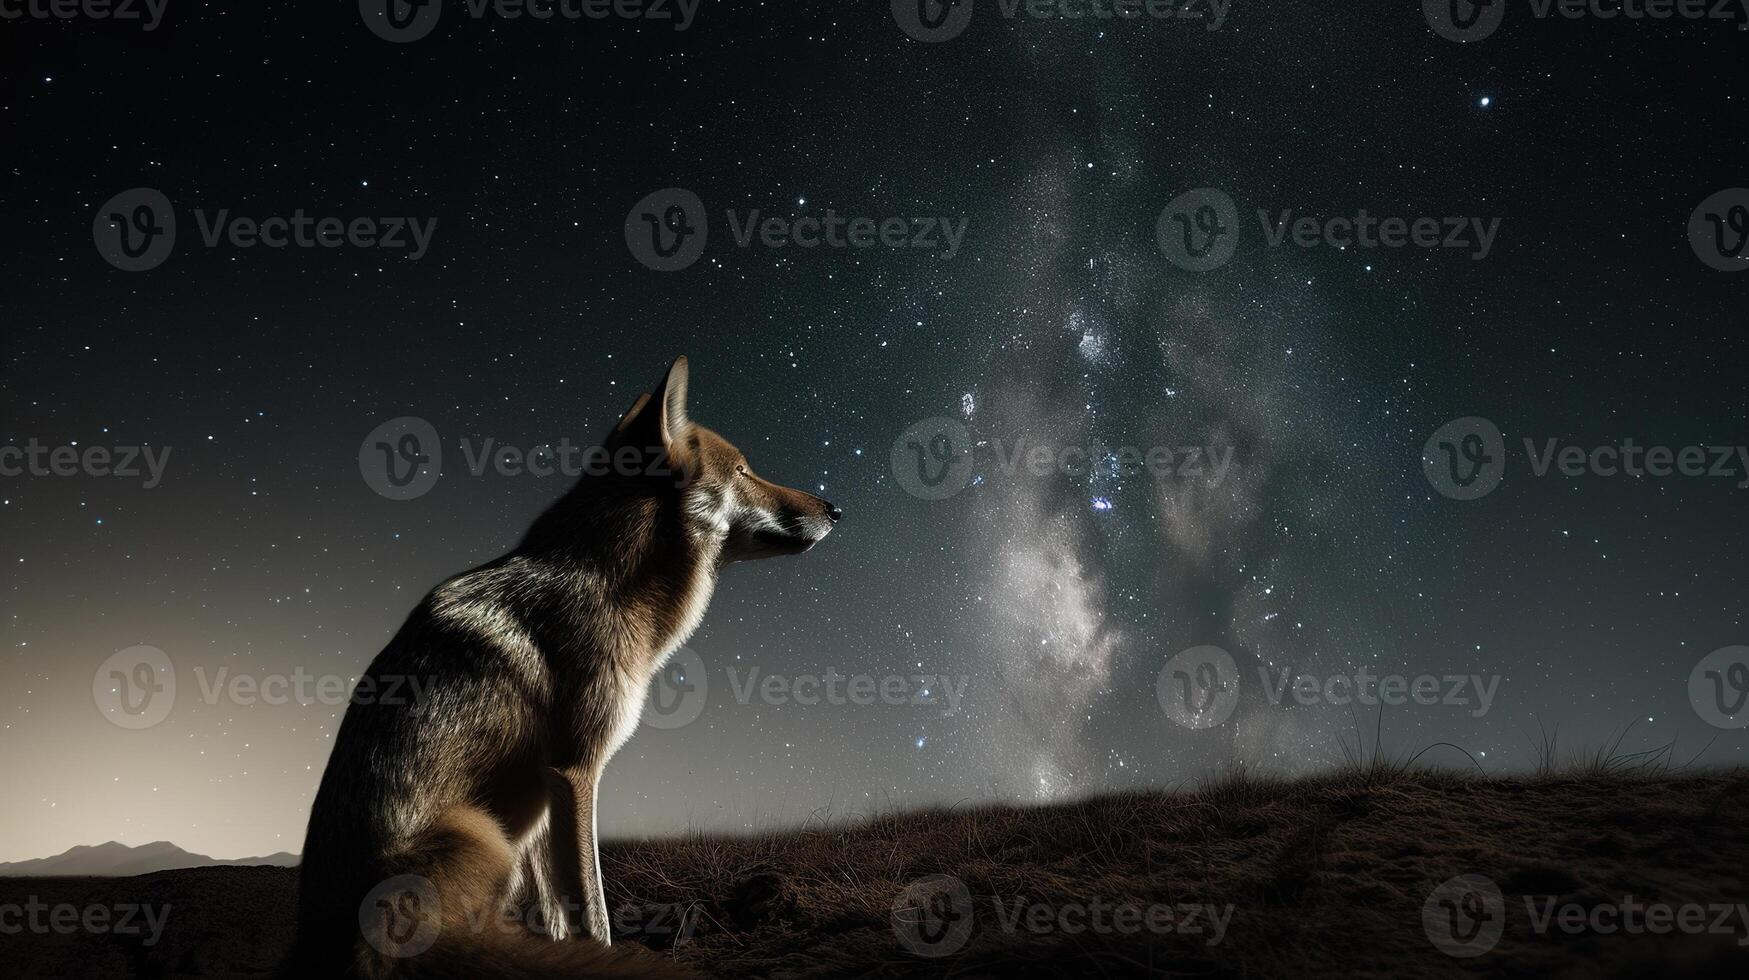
{"x": 116, "y": 860}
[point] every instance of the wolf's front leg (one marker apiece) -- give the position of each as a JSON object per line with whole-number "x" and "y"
{"x": 533, "y": 886}
{"x": 576, "y": 855}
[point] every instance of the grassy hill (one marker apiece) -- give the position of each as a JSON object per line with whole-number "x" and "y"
{"x": 1341, "y": 875}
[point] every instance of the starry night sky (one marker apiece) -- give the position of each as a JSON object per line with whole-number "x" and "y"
{"x": 1055, "y": 600}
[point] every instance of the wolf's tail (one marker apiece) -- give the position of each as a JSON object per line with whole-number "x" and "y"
{"x": 501, "y": 950}
{"x": 438, "y": 915}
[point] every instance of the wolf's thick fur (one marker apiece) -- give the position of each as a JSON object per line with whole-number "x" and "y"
{"x": 531, "y": 672}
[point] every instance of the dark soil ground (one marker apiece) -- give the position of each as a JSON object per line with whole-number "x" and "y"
{"x": 1327, "y": 876}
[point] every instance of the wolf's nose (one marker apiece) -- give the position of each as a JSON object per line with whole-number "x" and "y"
{"x": 833, "y": 512}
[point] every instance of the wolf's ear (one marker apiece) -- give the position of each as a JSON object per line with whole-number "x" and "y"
{"x": 671, "y": 396}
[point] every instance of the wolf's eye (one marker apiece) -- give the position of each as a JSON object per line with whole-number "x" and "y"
{"x": 741, "y": 469}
